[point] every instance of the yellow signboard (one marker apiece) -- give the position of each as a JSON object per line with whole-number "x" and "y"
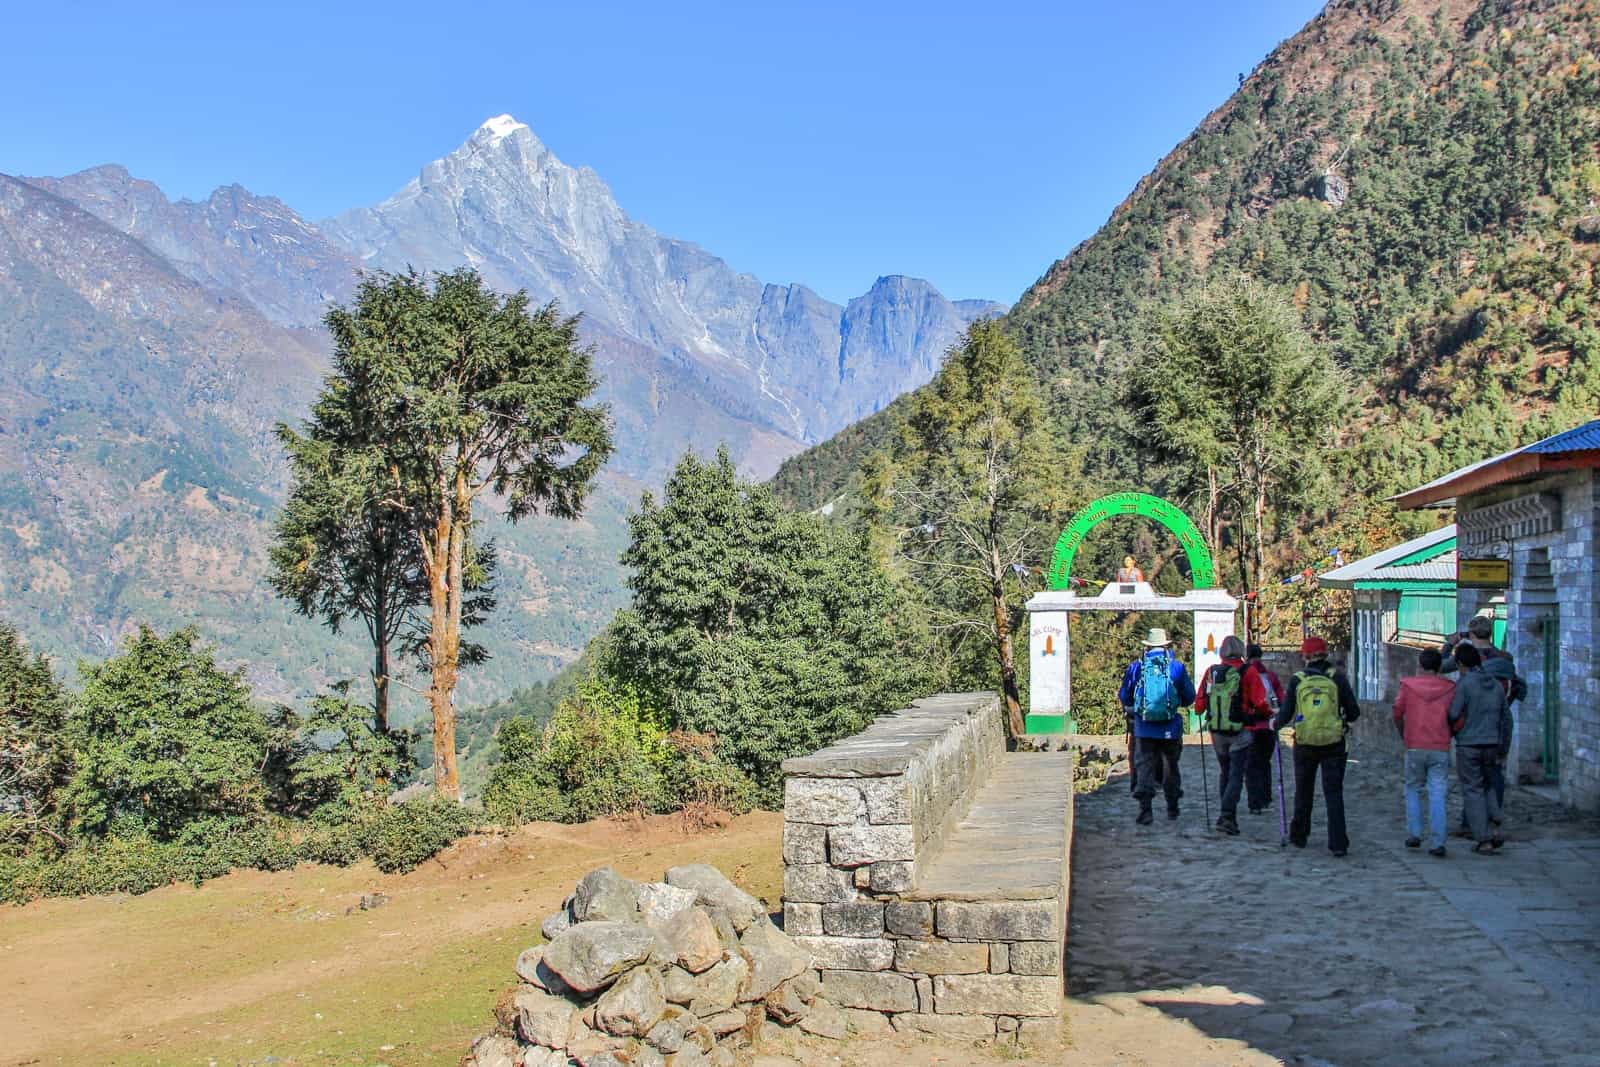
{"x": 1483, "y": 573}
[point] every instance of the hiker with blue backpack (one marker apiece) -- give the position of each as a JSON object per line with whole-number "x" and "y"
{"x": 1155, "y": 690}
{"x": 1320, "y": 705}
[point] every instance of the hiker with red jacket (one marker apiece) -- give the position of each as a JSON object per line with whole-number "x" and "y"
{"x": 1221, "y": 704}
{"x": 1421, "y": 712}
{"x": 1320, "y": 705}
{"x": 1263, "y": 696}
{"x": 1155, "y": 690}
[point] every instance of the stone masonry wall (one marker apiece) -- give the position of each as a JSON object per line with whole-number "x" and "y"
{"x": 1565, "y": 556}
{"x": 861, "y": 819}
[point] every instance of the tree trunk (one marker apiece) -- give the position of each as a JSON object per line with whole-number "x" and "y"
{"x": 1008, "y": 661}
{"x": 1213, "y": 515}
{"x": 444, "y": 645}
{"x": 380, "y": 686}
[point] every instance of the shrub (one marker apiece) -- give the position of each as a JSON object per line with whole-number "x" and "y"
{"x": 606, "y": 752}
{"x": 164, "y": 736}
{"x": 404, "y": 835}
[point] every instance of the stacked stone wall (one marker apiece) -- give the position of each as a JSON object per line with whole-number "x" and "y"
{"x": 1564, "y": 556}
{"x": 863, "y": 819}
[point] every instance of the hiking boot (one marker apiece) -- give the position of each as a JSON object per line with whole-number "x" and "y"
{"x": 1465, "y": 832}
{"x": 1297, "y": 844}
{"x": 1485, "y": 848}
{"x": 1340, "y": 853}
{"x": 1144, "y": 817}
{"x": 1439, "y": 852}
{"x": 1172, "y": 811}
{"x": 1413, "y": 842}
{"x": 1228, "y": 825}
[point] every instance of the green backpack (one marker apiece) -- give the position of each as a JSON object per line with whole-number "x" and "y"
{"x": 1225, "y": 700}
{"x": 1316, "y": 710}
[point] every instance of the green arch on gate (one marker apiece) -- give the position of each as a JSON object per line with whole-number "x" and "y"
{"x": 1201, "y": 568}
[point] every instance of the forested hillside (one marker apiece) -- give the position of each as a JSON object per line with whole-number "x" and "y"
{"x": 1421, "y": 179}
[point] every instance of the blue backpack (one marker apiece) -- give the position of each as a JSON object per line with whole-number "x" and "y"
{"x": 1155, "y": 699}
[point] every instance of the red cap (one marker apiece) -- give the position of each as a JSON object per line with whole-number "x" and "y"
{"x": 1313, "y": 646}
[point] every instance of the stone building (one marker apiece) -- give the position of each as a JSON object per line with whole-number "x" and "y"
{"x": 1526, "y": 531}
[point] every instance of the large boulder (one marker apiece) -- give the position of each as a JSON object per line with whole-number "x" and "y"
{"x": 692, "y": 940}
{"x": 713, "y": 888}
{"x": 493, "y": 1050}
{"x": 534, "y": 1056}
{"x": 789, "y": 1003}
{"x": 718, "y": 989}
{"x": 605, "y": 896}
{"x": 556, "y": 925}
{"x": 592, "y": 955}
{"x": 659, "y": 901}
{"x": 633, "y": 1005}
{"x": 544, "y": 1019}
{"x": 773, "y": 959}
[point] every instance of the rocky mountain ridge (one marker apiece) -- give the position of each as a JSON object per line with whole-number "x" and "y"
{"x": 148, "y": 346}
{"x": 1421, "y": 178}
{"x": 791, "y": 362}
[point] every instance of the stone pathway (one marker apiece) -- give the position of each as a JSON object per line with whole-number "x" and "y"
{"x": 1387, "y": 955}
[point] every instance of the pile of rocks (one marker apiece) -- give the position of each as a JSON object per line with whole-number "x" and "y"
{"x": 677, "y": 973}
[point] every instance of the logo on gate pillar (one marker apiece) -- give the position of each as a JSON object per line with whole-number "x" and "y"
{"x": 1049, "y": 644}
{"x": 1211, "y": 642}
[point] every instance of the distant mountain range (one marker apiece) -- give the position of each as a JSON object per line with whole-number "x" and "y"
{"x": 148, "y": 347}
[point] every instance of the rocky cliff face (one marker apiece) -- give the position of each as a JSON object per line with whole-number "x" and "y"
{"x": 148, "y": 346}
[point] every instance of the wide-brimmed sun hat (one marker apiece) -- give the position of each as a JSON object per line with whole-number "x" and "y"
{"x": 1157, "y": 638}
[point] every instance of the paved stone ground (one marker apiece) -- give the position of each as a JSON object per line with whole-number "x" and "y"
{"x": 1386, "y": 955}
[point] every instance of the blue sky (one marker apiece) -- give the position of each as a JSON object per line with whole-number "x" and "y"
{"x": 824, "y": 143}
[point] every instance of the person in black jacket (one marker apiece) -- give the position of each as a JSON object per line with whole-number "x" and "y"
{"x": 1327, "y": 757}
{"x": 1483, "y": 738}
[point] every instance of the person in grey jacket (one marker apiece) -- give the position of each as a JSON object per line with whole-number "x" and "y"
{"x": 1481, "y": 718}
{"x": 1497, "y": 664}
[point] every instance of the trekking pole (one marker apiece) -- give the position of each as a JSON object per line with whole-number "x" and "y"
{"x": 1283, "y": 818}
{"x": 1205, "y": 784}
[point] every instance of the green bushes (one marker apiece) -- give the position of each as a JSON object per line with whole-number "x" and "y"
{"x": 397, "y": 838}
{"x": 402, "y": 836}
{"x": 164, "y": 770}
{"x": 604, "y": 752}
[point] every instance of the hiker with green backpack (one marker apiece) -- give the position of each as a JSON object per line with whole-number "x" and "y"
{"x": 1155, "y": 690}
{"x": 1221, "y": 704}
{"x": 1320, "y": 705}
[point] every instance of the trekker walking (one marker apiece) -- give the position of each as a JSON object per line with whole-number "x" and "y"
{"x": 1499, "y": 665}
{"x": 1263, "y": 696}
{"x": 1481, "y": 716}
{"x": 1421, "y": 712}
{"x": 1221, "y": 703}
{"x": 1155, "y": 689}
{"x": 1320, "y": 704}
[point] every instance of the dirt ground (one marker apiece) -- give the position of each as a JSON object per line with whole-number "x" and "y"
{"x": 1186, "y": 948}
{"x": 285, "y": 968}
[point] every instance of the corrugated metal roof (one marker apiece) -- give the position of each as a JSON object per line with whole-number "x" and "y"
{"x": 1577, "y": 439}
{"x": 1442, "y": 569}
{"x": 1377, "y": 567}
{"x": 1585, "y": 438}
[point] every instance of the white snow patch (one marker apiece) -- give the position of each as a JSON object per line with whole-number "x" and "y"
{"x": 502, "y": 126}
